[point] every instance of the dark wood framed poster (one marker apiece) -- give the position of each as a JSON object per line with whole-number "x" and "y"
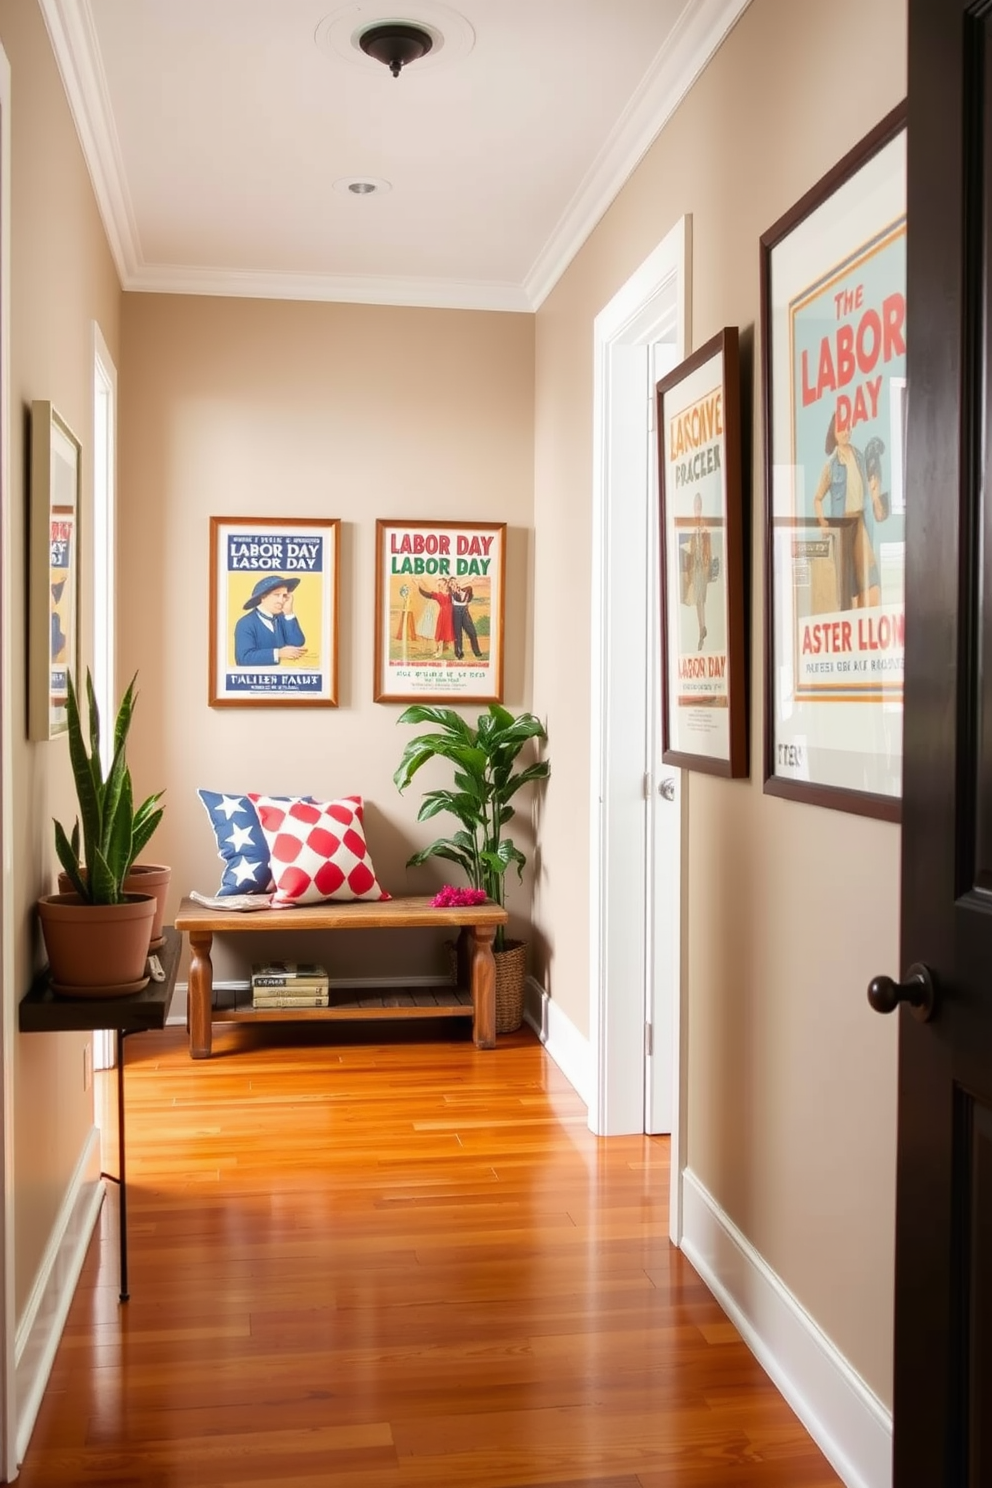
{"x": 704, "y": 671}
{"x": 833, "y": 290}
{"x": 439, "y": 611}
{"x": 274, "y": 611}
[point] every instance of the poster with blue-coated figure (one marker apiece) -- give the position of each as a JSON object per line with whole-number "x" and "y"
{"x": 836, "y": 384}
{"x": 274, "y": 584}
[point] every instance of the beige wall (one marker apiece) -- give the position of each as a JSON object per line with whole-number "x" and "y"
{"x": 790, "y": 909}
{"x": 62, "y": 278}
{"x": 250, "y": 407}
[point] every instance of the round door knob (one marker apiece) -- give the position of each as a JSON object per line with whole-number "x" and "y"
{"x": 918, "y": 991}
{"x": 667, "y": 788}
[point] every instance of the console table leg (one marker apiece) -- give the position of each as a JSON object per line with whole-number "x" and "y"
{"x": 121, "y": 1166}
{"x": 483, "y": 985}
{"x": 200, "y": 996}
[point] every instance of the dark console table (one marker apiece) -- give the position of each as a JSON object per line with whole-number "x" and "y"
{"x": 43, "y": 1011}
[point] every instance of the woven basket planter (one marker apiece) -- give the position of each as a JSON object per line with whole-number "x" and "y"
{"x": 511, "y": 977}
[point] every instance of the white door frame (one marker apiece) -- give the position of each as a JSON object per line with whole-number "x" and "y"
{"x": 104, "y": 471}
{"x": 654, "y": 303}
{"x": 104, "y": 528}
{"x": 8, "y": 1433}
{"x": 665, "y": 804}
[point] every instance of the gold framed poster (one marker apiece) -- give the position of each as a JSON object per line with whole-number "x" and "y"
{"x": 439, "y": 611}
{"x": 274, "y": 612}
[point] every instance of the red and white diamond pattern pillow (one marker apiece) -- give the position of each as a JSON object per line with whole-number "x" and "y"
{"x": 317, "y": 850}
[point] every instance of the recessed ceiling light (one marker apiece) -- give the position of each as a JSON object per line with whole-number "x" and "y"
{"x": 363, "y": 185}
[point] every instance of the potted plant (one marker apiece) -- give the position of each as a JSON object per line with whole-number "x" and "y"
{"x": 484, "y": 786}
{"x": 97, "y": 932}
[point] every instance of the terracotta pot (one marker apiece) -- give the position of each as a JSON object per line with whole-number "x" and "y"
{"x": 97, "y": 950}
{"x": 144, "y": 878}
{"x": 151, "y": 878}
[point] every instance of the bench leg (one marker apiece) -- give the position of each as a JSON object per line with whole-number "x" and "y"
{"x": 483, "y": 987}
{"x": 200, "y": 995}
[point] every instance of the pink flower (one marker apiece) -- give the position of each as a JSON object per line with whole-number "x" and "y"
{"x": 450, "y": 897}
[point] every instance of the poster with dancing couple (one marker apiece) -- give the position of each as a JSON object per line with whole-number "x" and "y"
{"x": 274, "y": 611}
{"x": 54, "y": 577}
{"x": 834, "y": 374}
{"x": 704, "y": 725}
{"x": 439, "y": 611}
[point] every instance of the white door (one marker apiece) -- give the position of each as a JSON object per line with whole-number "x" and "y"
{"x": 636, "y": 845}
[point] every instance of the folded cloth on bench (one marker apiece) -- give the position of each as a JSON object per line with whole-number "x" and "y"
{"x": 237, "y": 902}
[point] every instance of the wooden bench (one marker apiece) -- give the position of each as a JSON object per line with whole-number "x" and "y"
{"x": 475, "y": 996}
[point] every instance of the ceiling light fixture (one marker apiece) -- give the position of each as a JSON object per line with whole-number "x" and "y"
{"x": 361, "y": 185}
{"x": 341, "y": 32}
{"x": 396, "y": 43}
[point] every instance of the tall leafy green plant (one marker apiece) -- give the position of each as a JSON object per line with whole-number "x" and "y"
{"x": 113, "y": 831}
{"x": 485, "y": 783}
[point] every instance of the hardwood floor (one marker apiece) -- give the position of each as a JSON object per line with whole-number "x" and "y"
{"x": 395, "y": 1263}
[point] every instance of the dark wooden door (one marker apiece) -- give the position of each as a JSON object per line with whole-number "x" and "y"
{"x": 943, "y": 1368}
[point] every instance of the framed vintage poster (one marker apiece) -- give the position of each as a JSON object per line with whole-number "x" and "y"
{"x": 274, "y": 611}
{"x": 704, "y": 666}
{"x": 833, "y": 283}
{"x": 439, "y": 611}
{"x": 54, "y": 585}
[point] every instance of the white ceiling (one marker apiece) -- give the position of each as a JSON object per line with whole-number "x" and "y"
{"x": 214, "y": 131}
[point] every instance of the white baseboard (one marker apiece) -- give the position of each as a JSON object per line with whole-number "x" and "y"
{"x": 844, "y": 1417}
{"x": 40, "y": 1328}
{"x": 567, "y": 1046}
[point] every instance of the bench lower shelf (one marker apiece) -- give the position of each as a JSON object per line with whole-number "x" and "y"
{"x": 425, "y": 1002}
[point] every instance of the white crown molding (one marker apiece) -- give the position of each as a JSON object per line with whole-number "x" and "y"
{"x": 700, "y": 30}
{"x": 438, "y": 294}
{"x": 73, "y": 37}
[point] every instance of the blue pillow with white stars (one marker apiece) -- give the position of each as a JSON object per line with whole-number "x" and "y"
{"x": 241, "y": 844}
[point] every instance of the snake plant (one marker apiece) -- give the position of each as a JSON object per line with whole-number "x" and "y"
{"x": 113, "y": 831}
{"x": 484, "y": 786}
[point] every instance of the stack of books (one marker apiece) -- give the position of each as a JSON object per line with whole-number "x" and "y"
{"x": 289, "y": 984}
